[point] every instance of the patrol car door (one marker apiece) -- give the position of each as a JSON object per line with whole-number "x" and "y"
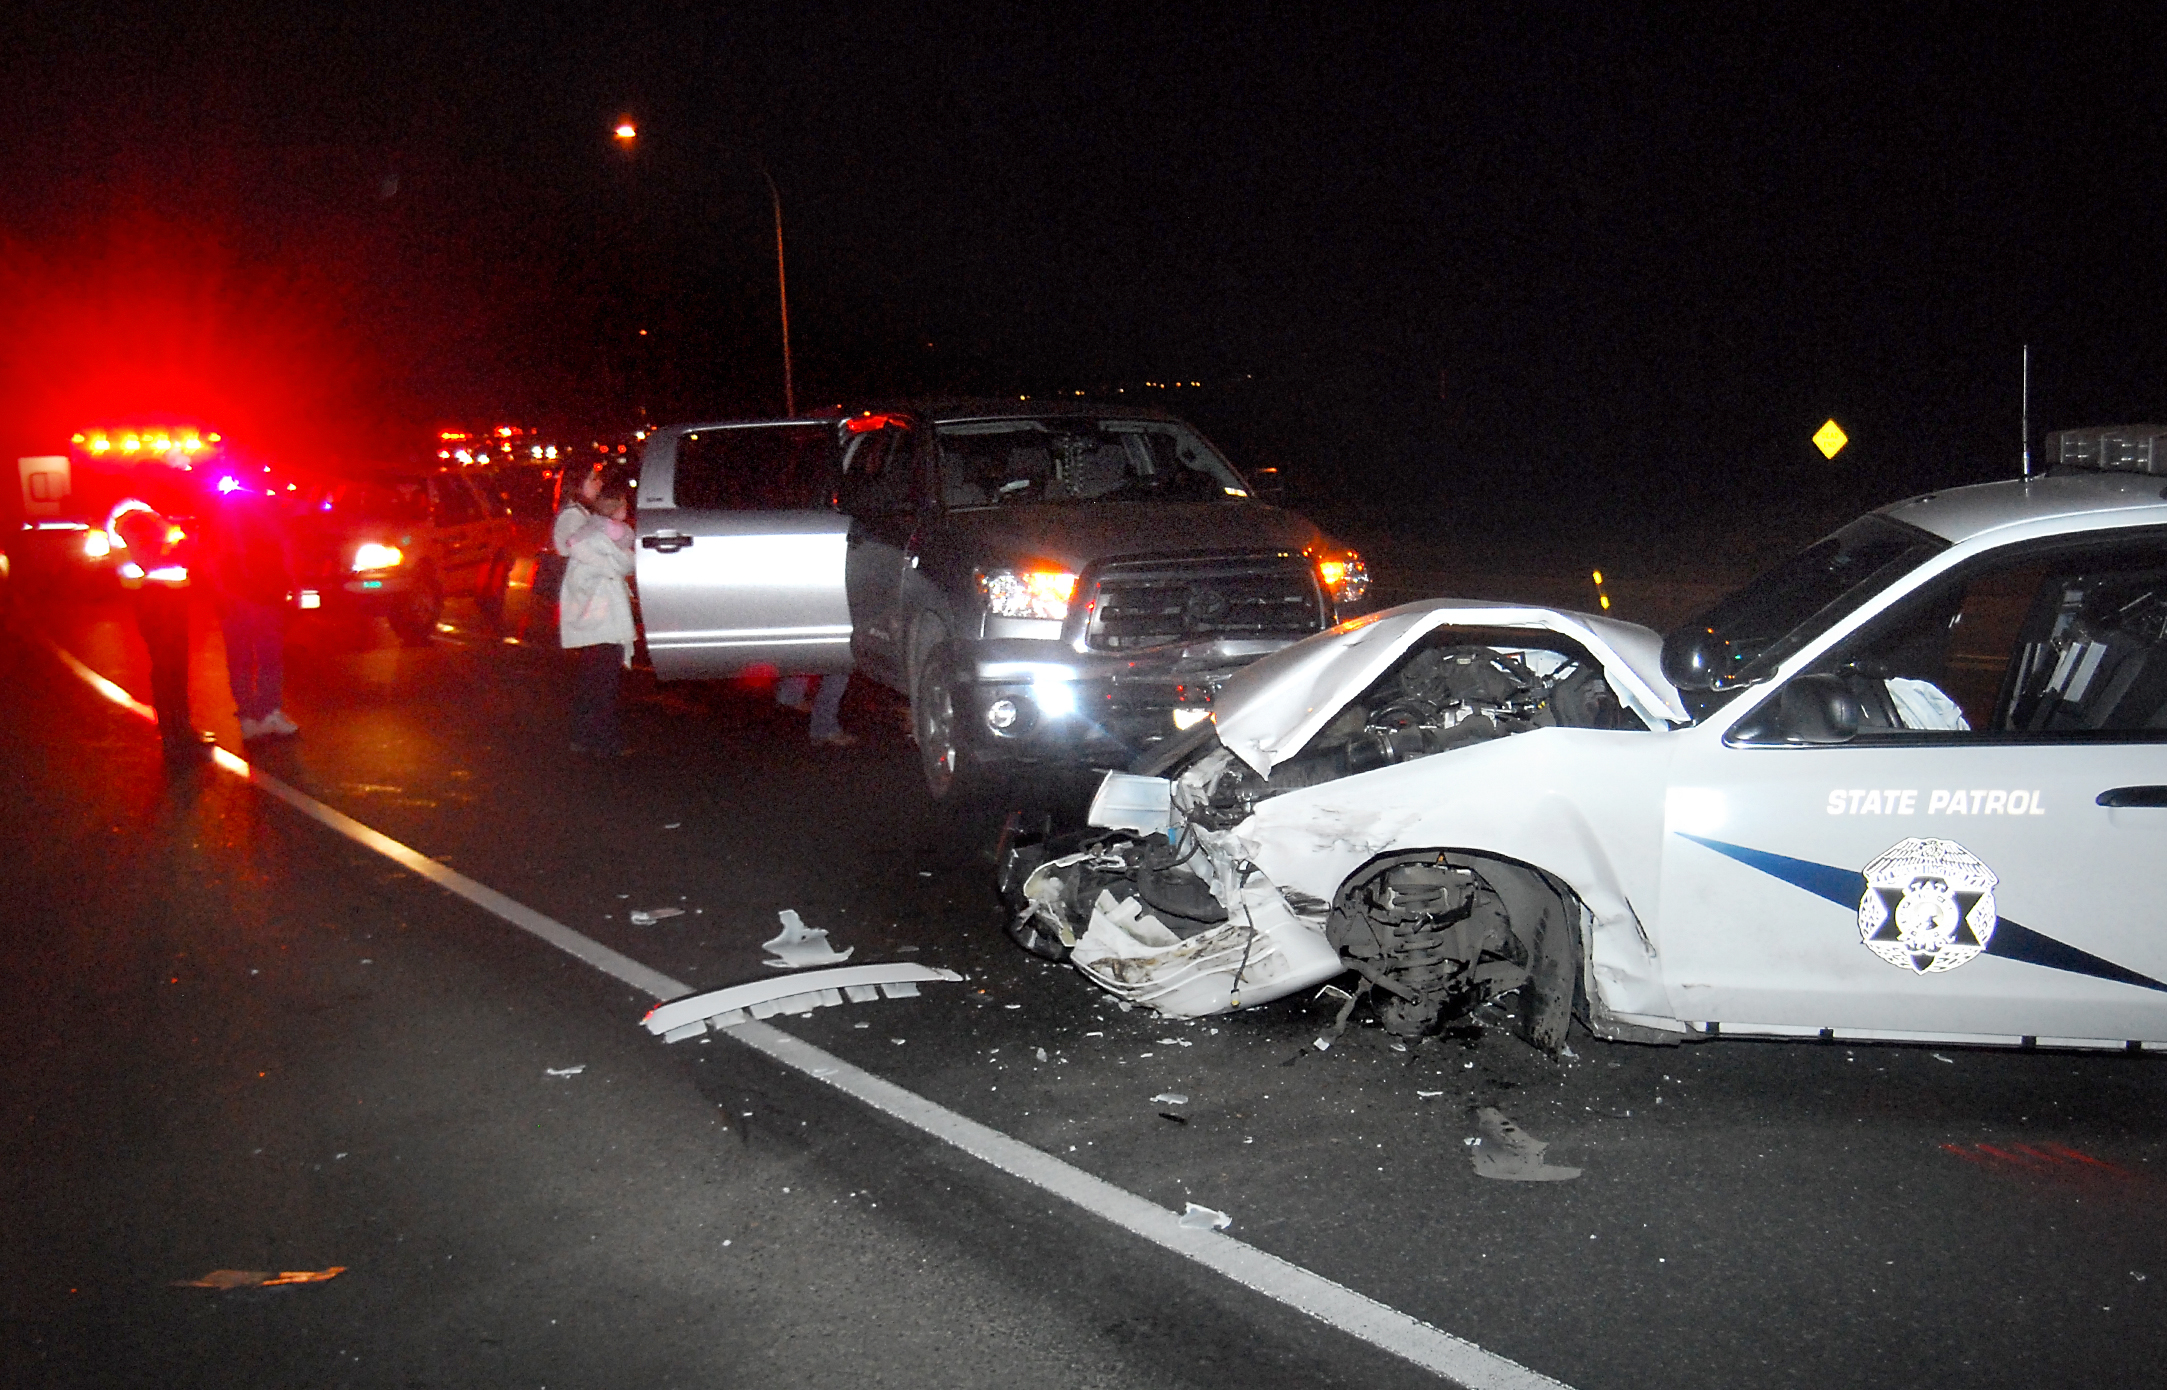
{"x": 1983, "y": 859}
{"x": 740, "y": 553}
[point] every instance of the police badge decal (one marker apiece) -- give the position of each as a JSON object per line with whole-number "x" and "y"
{"x": 1928, "y": 906}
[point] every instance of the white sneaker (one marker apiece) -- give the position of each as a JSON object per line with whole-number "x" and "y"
{"x": 276, "y": 722}
{"x": 252, "y": 728}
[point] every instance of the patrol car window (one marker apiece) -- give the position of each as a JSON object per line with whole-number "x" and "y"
{"x": 2067, "y": 642}
{"x": 765, "y": 469}
{"x": 876, "y": 473}
{"x": 1778, "y": 613}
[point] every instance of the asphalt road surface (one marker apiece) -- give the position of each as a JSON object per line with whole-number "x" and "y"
{"x": 235, "y": 1039}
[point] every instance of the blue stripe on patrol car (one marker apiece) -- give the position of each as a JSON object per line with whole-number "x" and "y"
{"x": 2011, "y": 940}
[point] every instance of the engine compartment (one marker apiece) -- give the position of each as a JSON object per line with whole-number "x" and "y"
{"x": 1448, "y": 692}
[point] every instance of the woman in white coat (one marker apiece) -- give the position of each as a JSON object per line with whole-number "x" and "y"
{"x": 594, "y": 621}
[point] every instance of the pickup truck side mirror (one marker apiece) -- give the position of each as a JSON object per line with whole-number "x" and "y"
{"x": 1268, "y": 485}
{"x": 1817, "y": 710}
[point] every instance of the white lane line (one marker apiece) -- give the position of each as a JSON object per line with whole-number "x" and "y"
{"x": 1330, "y": 1303}
{"x": 109, "y": 689}
{"x": 1334, "y": 1304}
{"x": 613, "y": 963}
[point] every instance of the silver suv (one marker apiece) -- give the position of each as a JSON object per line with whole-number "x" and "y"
{"x": 1064, "y": 583}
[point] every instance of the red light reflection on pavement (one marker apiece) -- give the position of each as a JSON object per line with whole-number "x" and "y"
{"x": 2057, "y": 1159}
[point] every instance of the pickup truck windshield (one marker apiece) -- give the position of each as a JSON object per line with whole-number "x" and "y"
{"x": 991, "y": 463}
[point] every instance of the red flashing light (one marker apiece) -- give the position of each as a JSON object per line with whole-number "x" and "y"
{"x": 866, "y": 424}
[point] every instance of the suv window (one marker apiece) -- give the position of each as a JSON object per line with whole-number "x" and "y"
{"x": 455, "y": 501}
{"x": 393, "y": 500}
{"x": 765, "y": 469}
{"x": 2070, "y": 641}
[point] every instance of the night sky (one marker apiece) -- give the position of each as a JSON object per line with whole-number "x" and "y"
{"x": 1514, "y": 261}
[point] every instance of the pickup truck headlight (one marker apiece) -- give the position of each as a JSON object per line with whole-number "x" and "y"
{"x": 1345, "y": 576}
{"x": 373, "y": 556}
{"x": 1027, "y": 593}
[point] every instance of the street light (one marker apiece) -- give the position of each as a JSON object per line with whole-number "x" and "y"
{"x": 782, "y": 293}
{"x": 626, "y": 132}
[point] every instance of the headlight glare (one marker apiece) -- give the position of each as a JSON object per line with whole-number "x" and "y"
{"x": 1346, "y": 577}
{"x": 375, "y": 556}
{"x": 1027, "y": 593}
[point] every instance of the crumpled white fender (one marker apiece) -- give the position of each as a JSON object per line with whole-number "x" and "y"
{"x": 1263, "y": 952}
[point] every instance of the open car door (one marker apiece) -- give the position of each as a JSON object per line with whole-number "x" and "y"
{"x": 740, "y": 552}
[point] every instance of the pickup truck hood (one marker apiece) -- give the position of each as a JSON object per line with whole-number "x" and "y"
{"x": 1073, "y": 535}
{"x": 1269, "y": 709}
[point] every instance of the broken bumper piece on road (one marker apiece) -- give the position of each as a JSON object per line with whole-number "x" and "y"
{"x": 788, "y": 994}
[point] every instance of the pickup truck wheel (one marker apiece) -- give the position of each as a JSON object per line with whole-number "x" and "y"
{"x": 414, "y": 619}
{"x": 936, "y": 722}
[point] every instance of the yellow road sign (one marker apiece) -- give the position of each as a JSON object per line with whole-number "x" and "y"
{"x": 1829, "y": 439}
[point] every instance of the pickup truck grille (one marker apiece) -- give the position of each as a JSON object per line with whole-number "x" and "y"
{"x": 1135, "y": 604}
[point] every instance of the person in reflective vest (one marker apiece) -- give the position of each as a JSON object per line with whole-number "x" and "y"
{"x": 154, "y": 551}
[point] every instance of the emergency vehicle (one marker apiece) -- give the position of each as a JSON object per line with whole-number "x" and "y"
{"x": 67, "y": 500}
{"x": 1909, "y": 785}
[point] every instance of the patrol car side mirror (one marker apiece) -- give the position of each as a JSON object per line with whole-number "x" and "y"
{"x": 1693, "y": 657}
{"x": 1817, "y": 710}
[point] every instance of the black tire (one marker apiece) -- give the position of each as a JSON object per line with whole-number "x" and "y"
{"x": 489, "y": 599}
{"x": 952, "y": 776}
{"x": 414, "y": 617}
{"x": 933, "y": 723}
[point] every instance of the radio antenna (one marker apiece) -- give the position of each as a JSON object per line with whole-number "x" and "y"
{"x": 2025, "y": 410}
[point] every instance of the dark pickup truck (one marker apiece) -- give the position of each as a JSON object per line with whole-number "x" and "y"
{"x": 1045, "y": 582}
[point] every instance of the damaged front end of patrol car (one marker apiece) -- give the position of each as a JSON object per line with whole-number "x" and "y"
{"x": 1269, "y": 851}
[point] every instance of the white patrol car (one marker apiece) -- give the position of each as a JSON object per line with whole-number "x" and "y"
{"x": 1909, "y": 785}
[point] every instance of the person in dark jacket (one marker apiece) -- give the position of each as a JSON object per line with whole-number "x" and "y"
{"x": 252, "y": 584}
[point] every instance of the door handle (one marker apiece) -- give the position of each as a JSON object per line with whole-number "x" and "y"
{"x": 666, "y": 542}
{"x": 2132, "y": 796}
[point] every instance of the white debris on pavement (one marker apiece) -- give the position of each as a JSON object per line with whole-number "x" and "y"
{"x": 788, "y": 994}
{"x": 1169, "y": 1098}
{"x": 1510, "y": 1153}
{"x": 1198, "y": 1218}
{"x": 653, "y": 915}
{"x": 564, "y": 1071}
{"x": 798, "y": 946}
